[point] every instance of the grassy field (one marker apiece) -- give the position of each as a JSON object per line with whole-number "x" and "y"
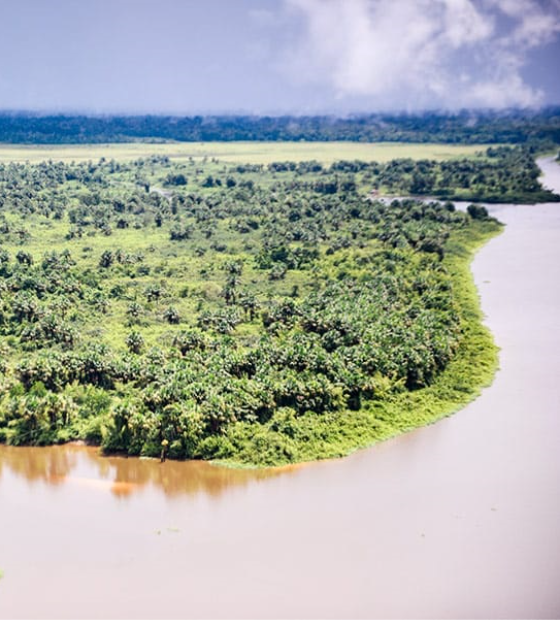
{"x": 239, "y": 152}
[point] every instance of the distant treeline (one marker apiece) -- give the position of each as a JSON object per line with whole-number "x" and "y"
{"x": 539, "y": 128}
{"x": 505, "y": 174}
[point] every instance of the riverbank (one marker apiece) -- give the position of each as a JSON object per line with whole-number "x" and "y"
{"x": 292, "y": 437}
{"x": 338, "y": 434}
{"x": 280, "y": 318}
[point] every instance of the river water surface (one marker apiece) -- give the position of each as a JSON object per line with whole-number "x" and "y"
{"x": 457, "y": 520}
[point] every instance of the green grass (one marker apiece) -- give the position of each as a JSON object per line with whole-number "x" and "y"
{"x": 168, "y": 262}
{"x": 240, "y": 152}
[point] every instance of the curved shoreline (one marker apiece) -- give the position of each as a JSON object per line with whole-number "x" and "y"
{"x": 470, "y": 371}
{"x": 454, "y": 520}
{"x": 343, "y": 432}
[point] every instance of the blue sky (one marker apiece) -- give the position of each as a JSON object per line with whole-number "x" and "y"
{"x": 277, "y": 56}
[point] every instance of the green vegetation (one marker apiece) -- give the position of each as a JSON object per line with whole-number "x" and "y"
{"x": 538, "y": 127}
{"x": 238, "y": 312}
{"x": 342, "y": 432}
{"x": 239, "y": 152}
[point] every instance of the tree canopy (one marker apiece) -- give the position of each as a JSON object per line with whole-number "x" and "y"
{"x": 257, "y": 309}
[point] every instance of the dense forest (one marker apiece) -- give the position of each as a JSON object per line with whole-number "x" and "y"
{"x": 539, "y": 128}
{"x": 263, "y": 314}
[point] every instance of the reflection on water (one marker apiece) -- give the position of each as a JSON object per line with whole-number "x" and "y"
{"x": 50, "y": 465}
{"x": 77, "y": 464}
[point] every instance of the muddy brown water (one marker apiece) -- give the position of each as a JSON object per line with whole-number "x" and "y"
{"x": 457, "y": 520}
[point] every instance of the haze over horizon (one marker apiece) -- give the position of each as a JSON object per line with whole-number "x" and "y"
{"x": 278, "y": 56}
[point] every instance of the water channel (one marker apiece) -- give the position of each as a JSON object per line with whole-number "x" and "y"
{"x": 457, "y": 520}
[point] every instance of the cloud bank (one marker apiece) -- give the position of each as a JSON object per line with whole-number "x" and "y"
{"x": 417, "y": 53}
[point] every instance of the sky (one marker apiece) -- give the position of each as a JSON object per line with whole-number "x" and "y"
{"x": 277, "y": 56}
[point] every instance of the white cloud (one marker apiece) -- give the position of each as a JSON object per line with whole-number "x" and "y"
{"x": 417, "y": 53}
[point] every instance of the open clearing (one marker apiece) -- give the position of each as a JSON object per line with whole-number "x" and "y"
{"x": 239, "y": 152}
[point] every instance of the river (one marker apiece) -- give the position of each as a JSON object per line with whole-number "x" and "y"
{"x": 457, "y": 520}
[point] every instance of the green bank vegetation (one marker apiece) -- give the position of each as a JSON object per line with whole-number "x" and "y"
{"x": 235, "y": 312}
